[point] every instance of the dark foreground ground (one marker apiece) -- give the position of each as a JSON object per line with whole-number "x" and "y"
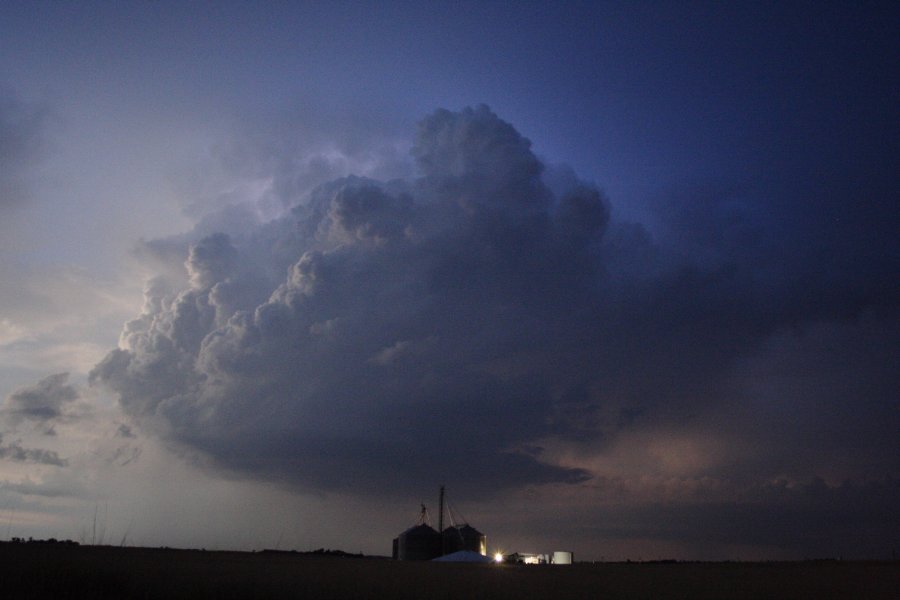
{"x": 58, "y": 571}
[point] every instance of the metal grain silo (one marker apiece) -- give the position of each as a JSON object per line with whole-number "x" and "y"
{"x": 419, "y": 543}
{"x": 464, "y": 537}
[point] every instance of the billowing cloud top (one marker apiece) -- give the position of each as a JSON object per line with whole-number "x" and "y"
{"x": 382, "y": 332}
{"x": 386, "y": 335}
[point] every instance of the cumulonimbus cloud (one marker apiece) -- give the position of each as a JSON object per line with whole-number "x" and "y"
{"x": 386, "y": 334}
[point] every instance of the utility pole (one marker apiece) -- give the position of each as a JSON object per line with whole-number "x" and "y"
{"x": 441, "y": 513}
{"x": 441, "y": 520}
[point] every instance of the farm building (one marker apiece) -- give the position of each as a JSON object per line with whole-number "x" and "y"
{"x": 558, "y": 557}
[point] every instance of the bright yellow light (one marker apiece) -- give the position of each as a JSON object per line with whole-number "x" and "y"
{"x": 498, "y": 557}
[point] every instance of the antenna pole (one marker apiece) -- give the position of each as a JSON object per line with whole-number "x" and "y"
{"x": 441, "y": 513}
{"x": 441, "y": 521}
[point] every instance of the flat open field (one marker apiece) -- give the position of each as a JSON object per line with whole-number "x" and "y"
{"x": 59, "y": 571}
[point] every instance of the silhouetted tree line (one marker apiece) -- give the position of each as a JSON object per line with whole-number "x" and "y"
{"x": 30, "y": 540}
{"x": 318, "y": 552}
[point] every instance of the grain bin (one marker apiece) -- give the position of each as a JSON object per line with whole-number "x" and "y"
{"x": 464, "y": 537}
{"x": 418, "y": 543}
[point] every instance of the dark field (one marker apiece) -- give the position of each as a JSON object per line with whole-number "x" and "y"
{"x": 58, "y": 571}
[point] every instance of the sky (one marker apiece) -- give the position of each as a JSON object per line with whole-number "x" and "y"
{"x": 621, "y": 275}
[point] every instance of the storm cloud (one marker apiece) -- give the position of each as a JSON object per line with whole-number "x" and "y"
{"x": 490, "y": 324}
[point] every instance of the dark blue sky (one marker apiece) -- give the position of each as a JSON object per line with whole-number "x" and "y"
{"x": 641, "y": 271}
